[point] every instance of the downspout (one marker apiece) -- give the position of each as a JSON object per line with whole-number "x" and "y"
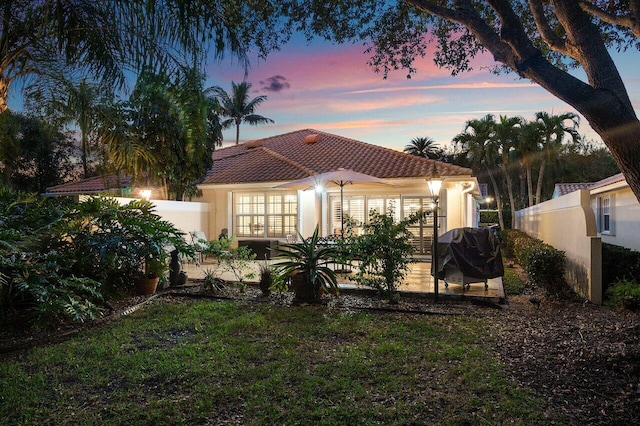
{"x": 463, "y": 194}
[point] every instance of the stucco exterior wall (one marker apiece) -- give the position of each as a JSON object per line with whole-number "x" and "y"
{"x": 568, "y": 224}
{"x": 457, "y": 209}
{"x": 625, "y": 217}
{"x": 186, "y": 216}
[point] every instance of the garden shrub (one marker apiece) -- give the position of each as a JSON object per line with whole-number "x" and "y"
{"x": 545, "y": 267}
{"x": 384, "y": 252}
{"x": 56, "y": 255}
{"x": 543, "y": 264}
{"x": 619, "y": 263}
{"x": 508, "y": 238}
{"x": 624, "y": 294}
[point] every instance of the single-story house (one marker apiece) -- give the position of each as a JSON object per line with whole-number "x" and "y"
{"x": 579, "y": 221}
{"x": 561, "y": 189}
{"x": 616, "y": 209}
{"x": 105, "y": 185}
{"x": 243, "y": 188}
{"x": 617, "y": 212}
{"x": 242, "y": 193}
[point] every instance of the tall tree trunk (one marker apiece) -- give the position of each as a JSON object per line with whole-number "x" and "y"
{"x": 85, "y": 167}
{"x": 624, "y": 144}
{"x": 507, "y": 176}
{"x": 237, "y": 133}
{"x": 543, "y": 164}
{"x": 496, "y": 192}
{"x": 4, "y": 92}
{"x": 529, "y": 185}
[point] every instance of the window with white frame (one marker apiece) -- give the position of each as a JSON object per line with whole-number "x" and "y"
{"x": 357, "y": 209}
{"x": 266, "y": 214}
{"x": 605, "y": 215}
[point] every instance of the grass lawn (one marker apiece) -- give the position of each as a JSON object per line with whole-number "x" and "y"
{"x": 211, "y": 362}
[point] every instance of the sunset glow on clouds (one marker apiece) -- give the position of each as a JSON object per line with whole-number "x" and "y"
{"x": 331, "y": 88}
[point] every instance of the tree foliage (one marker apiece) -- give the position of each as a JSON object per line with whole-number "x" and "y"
{"x": 424, "y": 147}
{"x": 538, "y": 40}
{"x": 165, "y": 133}
{"x": 517, "y": 148}
{"x": 238, "y": 107}
{"x": 41, "y": 39}
{"x": 33, "y": 154}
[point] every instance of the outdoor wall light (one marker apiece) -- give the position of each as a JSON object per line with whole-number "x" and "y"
{"x": 145, "y": 194}
{"x": 434, "y": 186}
{"x": 319, "y": 188}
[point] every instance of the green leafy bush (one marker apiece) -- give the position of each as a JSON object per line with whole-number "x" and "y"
{"x": 543, "y": 264}
{"x": 114, "y": 243}
{"x": 624, "y": 294}
{"x": 618, "y": 263}
{"x": 545, "y": 267}
{"x": 509, "y": 238}
{"x": 384, "y": 252}
{"x": 58, "y": 259}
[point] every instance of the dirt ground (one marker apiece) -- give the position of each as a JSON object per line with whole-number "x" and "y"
{"x": 583, "y": 359}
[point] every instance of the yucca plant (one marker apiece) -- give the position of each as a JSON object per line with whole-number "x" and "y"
{"x": 307, "y": 265}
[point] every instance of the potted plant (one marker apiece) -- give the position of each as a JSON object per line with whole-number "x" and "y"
{"x": 306, "y": 265}
{"x": 147, "y": 281}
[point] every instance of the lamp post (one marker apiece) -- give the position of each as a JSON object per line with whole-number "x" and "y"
{"x": 435, "y": 185}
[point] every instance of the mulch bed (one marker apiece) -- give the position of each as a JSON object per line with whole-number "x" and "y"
{"x": 583, "y": 359}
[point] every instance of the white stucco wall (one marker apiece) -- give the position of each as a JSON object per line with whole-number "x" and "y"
{"x": 186, "y": 216}
{"x": 457, "y": 209}
{"x": 568, "y": 224}
{"x": 625, "y": 216}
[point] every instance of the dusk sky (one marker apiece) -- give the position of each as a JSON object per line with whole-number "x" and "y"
{"x": 331, "y": 88}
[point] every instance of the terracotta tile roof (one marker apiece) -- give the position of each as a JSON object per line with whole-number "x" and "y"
{"x": 91, "y": 185}
{"x": 289, "y": 157}
{"x": 561, "y": 189}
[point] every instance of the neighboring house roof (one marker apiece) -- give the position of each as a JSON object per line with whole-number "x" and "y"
{"x": 561, "y": 189}
{"x": 304, "y": 153}
{"x": 93, "y": 185}
{"x": 619, "y": 178}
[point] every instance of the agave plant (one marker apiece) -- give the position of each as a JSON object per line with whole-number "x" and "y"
{"x": 307, "y": 265}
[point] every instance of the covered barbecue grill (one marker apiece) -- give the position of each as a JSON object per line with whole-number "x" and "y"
{"x": 468, "y": 255}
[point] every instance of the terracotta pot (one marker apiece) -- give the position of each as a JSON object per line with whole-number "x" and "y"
{"x": 147, "y": 285}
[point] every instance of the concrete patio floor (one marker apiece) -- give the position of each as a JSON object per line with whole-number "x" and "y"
{"x": 418, "y": 282}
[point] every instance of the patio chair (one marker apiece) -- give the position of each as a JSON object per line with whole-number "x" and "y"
{"x": 291, "y": 239}
{"x": 200, "y": 244}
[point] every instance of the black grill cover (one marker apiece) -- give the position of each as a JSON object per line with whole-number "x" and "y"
{"x": 473, "y": 251}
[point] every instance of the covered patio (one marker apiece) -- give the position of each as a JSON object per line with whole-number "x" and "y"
{"x": 418, "y": 282}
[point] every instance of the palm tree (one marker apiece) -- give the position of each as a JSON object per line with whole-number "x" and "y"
{"x": 424, "y": 147}
{"x": 165, "y": 134}
{"x": 527, "y": 147}
{"x": 553, "y": 129}
{"x": 238, "y": 107}
{"x": 105, "y": 39}
{"x": 504, "y": 139}
{"x": 476, "y": 140}
{"x": 79, "y": 104}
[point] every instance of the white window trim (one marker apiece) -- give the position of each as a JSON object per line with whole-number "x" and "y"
{"x": 265, "y": 215}
{"x": 600, "y": 216}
